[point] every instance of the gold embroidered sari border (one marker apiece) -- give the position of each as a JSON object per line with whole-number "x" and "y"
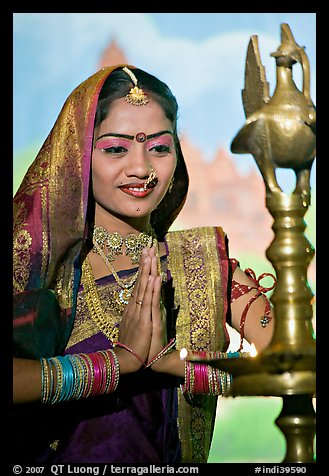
{"x": 194, "y": 264}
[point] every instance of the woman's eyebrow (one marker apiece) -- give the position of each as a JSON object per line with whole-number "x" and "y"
{"x": 126, "y": 136}
{"x": 113, "y": 134}
{"x": 157, "y": 134}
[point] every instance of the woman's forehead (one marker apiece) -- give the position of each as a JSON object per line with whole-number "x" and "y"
{"x": 121, "y": 108}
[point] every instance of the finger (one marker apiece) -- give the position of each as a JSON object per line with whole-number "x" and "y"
{"x": 154, "y": 260}
{"x": 159, "y": 328}
{"x": 156, "y": 301}
{"x": 146, "y": 304}
{"x": 156, "y": 298}
{"x": 139, "y": 286}
{"x": 142, "y": 280}
{"x": 154, "y": 266}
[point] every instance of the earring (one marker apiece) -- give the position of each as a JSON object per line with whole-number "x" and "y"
{"x": 171, "y": 183}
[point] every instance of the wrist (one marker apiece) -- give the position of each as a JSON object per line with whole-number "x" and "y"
{"x": 128, "y": 362}
{"x": 171, "y": 364}
{"x": 166, "y": 349}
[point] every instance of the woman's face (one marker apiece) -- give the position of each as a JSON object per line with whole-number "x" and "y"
{"x": 121, "y": 164}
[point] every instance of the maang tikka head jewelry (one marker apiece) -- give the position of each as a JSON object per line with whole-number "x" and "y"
{"x": 136, "y": 95}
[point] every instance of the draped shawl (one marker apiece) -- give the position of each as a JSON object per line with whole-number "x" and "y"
{"x": 50, "y": 213}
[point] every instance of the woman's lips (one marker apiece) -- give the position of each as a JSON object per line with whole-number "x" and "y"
{"x": 137, "y": 189}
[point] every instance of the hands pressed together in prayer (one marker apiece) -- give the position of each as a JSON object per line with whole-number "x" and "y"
{"x": 142, "y": 331}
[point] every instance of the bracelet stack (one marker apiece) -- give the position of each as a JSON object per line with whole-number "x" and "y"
{"x": 204, "y": 379}
{"x": 201, "y": 378}
{"x": 76, "y": 376}
{"x": 71, "y": 377}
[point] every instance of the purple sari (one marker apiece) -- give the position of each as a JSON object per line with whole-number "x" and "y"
{"x": 137, "y": 424}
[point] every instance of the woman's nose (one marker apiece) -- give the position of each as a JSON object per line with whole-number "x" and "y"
{"x": 138, "y": 164}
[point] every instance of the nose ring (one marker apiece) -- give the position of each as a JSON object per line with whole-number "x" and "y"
{"x": 149, "y": 179}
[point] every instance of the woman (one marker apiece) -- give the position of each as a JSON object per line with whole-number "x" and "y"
{"x": 105, "y": 297}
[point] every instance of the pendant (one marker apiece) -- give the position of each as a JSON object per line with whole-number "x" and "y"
{"x": 124, "y": 295}
{"x": 122, "y": 298}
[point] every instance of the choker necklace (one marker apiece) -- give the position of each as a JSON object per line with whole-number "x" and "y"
{"x": 113, "y": 242}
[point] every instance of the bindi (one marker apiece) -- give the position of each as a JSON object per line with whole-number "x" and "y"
{"x": 141, "y": 137}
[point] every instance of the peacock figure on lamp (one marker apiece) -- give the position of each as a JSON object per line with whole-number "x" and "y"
{"x": 280, "y": 131}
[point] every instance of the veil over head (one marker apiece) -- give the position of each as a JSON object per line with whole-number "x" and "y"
{"x": 50, "y": 219}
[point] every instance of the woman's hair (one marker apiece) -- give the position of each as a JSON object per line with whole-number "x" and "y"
{"x": 118, "y": 84}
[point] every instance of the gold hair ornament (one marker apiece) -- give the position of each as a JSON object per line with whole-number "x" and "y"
{"x": 136, "y": 95}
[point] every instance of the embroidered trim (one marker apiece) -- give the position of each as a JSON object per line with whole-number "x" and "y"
{"x": 196, "y": 269}
{"x": 21, "y": 249}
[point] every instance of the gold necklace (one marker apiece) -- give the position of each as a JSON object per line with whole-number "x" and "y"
{"x": 134, "y": 245}
{"x": 122, "y": 296}
{"x": 114, "y": 242}
{"x": 107, "y": 323}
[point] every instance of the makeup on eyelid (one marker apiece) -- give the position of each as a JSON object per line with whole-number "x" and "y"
{"x": 162, "y": 140}
{"x": 107, "y": 143}
{"x": 112, "y": 142}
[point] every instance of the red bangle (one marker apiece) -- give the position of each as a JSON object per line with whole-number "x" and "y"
{"x": 162, "y": 352}
{"x": 119, "y": 344}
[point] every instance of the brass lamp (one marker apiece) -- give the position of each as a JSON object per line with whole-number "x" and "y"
{"x": 280, "y": 132}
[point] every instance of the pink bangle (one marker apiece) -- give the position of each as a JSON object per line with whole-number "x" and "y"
{"x": 99, "y": 373}
{"x": 119, "y": 344}
{"x": 201, "y": 384}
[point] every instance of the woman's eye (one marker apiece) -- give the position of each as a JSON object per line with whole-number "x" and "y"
{"x": 115, "y": 150}
{"x": 161, "y": 149}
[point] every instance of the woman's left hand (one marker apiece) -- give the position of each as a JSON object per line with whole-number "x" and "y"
{"x": 159, "y": 327}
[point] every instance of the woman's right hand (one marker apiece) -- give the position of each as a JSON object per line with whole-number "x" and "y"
{"x": 135, "y": 330}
